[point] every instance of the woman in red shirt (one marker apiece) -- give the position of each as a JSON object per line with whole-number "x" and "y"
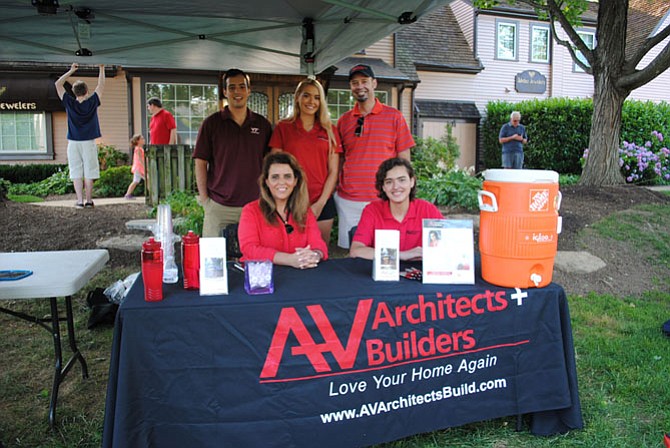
{"x": 312, "y": 138}
{"x": 398, "y": 209}
{"x": 280, "y": 226}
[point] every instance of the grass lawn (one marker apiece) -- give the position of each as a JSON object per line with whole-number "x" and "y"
{"x": 623, "y": 362}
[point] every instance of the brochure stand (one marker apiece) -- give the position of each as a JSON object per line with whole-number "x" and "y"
{"x": 386, "y": 264}
{"x": 448, "y": 251}
{"x": 213, "y": 269}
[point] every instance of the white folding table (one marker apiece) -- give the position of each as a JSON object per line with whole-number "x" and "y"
{"x": 55, "y": 274}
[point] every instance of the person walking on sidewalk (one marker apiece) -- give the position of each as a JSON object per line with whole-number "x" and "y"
{"x": 138, "y": 164}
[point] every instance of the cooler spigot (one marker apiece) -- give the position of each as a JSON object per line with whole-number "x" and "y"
{"x": 536, "y": 278}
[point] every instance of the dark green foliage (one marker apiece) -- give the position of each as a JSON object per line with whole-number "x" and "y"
{"x": 431, "y": 156}
{"x": 114, "y": 182}
{"x": 4, "y": 188}
{"x": 187, "y": 213}
{"x": 57, "y": 183}
{"x": 26, "y": 174}
{"x": 109, "y": 157}
{"x": 640, "y": 118}
{"x": 451, "y": 188}
{"x": 438, "y": 180}
{"x": 558, "y": 132}
{"x": 558, "y": 129}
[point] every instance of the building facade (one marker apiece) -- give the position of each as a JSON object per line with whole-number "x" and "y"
{"x": 441, "y": 70}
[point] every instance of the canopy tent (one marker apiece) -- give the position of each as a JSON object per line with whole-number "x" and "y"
{"x": 262, "y": 36}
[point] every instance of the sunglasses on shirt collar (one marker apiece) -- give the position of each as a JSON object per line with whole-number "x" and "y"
{"x": 359, "y": 126}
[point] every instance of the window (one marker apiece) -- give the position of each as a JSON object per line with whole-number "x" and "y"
{"x": 589, "y": 38}
{"x": 285, "y": 104}
{"x": 258, "y": 102}
{"x": 506, "y": 40}
{"x": 539, "y": 44}
{"x": 27, "y": 134}
{"x": 189, "y": 103}
{"x": 341, "y": 100}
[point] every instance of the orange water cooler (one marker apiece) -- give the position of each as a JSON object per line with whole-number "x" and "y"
{"x": 519, "y": 227}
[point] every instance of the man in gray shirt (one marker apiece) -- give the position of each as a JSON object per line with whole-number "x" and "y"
{"x": 513, "y": 136}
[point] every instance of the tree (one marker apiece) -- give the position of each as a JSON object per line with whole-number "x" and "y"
{"x": 613, "y": 63}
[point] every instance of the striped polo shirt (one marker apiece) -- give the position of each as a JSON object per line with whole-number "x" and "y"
{"x": 385, "y": 134}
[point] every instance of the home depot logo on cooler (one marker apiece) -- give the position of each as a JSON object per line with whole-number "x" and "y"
{"x": 539, "y": 200}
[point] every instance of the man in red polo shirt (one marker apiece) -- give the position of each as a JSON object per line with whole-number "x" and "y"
{"x": 370, "y": 133}
{"x": 228, "y": 156}
{"x": 162, "y": 129}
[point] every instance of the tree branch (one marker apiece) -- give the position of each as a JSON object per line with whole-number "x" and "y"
{"x": 639, "y": 78}
{"x": 555, "y": 13}
{"x": 567, "y": 44}
{"x": 647, "y": 45}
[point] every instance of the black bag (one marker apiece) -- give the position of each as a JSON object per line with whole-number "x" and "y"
{"x": 666, "y": 328}
{"x": 232, "y": 243}
{"x": 102, "y": 310}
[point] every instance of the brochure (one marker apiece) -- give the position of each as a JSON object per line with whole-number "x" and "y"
{"x": 213, "y": 269}
{"x": 448, "y": 251}
{"x": 386, "y": 264}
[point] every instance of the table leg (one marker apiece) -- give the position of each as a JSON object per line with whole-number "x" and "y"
{"x": 76, "y": 354}
{"x": 59, "y": 370}
{"x": 55, "y": 332}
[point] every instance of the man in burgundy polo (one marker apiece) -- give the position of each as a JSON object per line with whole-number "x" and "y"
{"x": 370, "y": 133}
{"x": 229, "y": 155}
{"x": 162, "y": 129}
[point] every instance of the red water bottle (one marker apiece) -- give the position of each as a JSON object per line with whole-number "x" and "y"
{"x": 190, "y": 256}
{"x": 152, "y": 270}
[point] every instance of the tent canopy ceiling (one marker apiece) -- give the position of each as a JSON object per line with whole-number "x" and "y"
{"x": 263, "y": 36}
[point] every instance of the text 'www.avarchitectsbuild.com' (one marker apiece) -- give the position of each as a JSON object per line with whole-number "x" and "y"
{"x": 381, "y": 407}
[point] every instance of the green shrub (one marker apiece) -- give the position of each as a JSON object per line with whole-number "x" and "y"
{"x": 558, "y": 129}
{"x": 109, "y": 157}
{"x": 640, "y": 118}
{"x": 431, "y": 156}
{"x": 114, "y": 182}
{"x": 438, "y": 179}
{"x": 451, "y": 188}
{"x": 4, "y": 188}
{"x": 58, "y": 183}
{"x": 568, "y": 179}
{"x": 26, "y": 174}
{"x": 186, "y": 212}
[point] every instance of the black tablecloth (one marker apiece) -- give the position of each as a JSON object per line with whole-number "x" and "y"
{"x": 334, "y": 359}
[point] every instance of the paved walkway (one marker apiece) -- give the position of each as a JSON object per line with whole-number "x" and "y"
{"x": 97, "y": 201}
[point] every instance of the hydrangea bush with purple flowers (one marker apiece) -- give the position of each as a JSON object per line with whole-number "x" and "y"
{"x": 643, "y": 164}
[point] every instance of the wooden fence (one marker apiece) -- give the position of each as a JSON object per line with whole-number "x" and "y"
{"x": 168, "y": 168}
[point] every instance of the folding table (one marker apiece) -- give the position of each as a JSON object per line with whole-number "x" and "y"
{"x": 55, "y": 274}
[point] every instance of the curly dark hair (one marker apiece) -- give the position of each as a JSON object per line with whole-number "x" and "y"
{"x": 386, "y": 166}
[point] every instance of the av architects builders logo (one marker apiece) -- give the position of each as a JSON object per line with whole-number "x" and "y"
{"x": 530, "y": 81}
